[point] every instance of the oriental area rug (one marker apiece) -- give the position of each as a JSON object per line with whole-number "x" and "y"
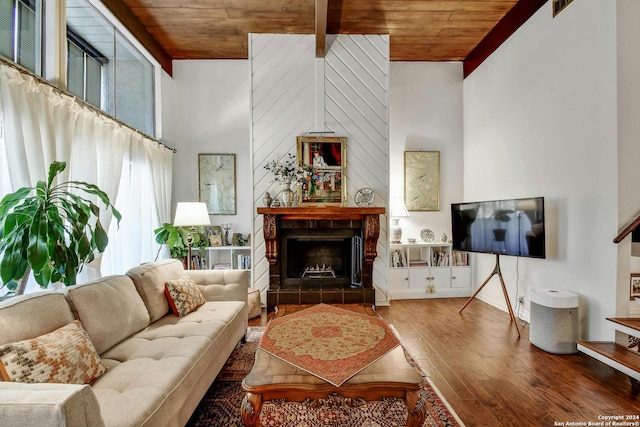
{"x": 220, "y": 407}
{"x": 328, "y": 342}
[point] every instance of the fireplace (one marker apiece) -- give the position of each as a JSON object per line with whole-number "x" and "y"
{"x": 320, "y": 255}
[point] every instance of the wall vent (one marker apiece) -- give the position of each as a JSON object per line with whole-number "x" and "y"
{"x": 559, "y": 5}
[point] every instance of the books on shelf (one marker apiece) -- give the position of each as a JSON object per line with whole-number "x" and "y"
{"x": 222, "y": 266}
{"x": 460, "y": 259}
{"x": 440, "y": 259}
{"x": 243, "y": 262}
{"x": 398, "y": 259}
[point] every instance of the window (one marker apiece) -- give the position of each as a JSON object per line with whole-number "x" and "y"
{"x": 107, "y": 70}
{"x": 84, "y": 69}
{"x": 21, "y": 32}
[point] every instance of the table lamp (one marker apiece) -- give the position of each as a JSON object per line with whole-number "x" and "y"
{"x": 398, "y": 210}
{"x": 191, "y": 215}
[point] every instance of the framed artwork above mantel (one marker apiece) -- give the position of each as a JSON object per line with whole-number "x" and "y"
{"x": 324, "y": 159}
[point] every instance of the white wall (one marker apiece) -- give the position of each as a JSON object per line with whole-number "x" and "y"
{"x": 425, "y": 114}
{"x": 540, "y": 120}
{"x": 628, "y": 16}
{"x": 206, "y": 110}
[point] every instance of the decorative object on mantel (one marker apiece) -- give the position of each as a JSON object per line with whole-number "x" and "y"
{"x": 267, "y": 199}
{"x": 323, "y": 159}
{"x": 398, "y": 210}
{"x": 286, "y": 172}
{"x": 444, "y": 238}
{"x": 422, "y": 180}
{"x": 364, "y": 197}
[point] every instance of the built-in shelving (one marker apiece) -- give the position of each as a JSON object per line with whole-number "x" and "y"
{"x": 428, "y": 270}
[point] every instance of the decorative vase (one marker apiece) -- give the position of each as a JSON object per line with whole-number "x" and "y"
{"x": 267, "y": 199}
{"x": 287, "y": 197}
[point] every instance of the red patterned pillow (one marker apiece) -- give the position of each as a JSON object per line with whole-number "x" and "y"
{"x": 183, "y": 295}
{"x": 65, "y": 355}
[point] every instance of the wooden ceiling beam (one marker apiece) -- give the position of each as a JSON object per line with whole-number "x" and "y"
{"x": 322, "y": 7}
{"x": 131, "y": 22}
{"x": 518, "y": 15}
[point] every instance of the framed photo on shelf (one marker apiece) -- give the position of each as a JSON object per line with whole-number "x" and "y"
{"x": 324, "y": 159}
{"x": 634, "y": 286}
{"x": 422, "y": 180}
{"x": 217, "y": 183}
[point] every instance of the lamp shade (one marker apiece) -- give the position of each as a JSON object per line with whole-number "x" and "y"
{"x": 191, "y": 214}
{"x": 398, "y": 209}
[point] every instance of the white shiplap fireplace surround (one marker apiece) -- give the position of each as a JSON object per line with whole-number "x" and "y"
{"x": 345, "y": 93}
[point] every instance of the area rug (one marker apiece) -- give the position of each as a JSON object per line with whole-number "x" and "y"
{"x": 220, "y": 406}
{"x": 329, "y": 342}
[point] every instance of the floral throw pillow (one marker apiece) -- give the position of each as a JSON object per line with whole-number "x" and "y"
{"x": 65, "y": 355}
{"x": 183, "y": 295}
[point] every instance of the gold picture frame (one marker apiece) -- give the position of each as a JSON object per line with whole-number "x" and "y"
{"x": 217, "y": 183}
{"x": 422, "y": 180}
{"x": 634, "y": 286}
{"x": 324, "y": 160}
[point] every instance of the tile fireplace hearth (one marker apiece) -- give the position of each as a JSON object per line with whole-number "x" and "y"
{"x": 320, "y": 254}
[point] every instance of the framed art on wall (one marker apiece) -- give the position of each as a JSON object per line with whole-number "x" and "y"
{"x": 634, "y": 286}
{"x": 324, "y": 160}
{"x": 217, "y": 182}
{"x": 422, "y": 180}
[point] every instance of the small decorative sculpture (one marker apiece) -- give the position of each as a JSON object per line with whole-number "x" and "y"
{"x": 444, "y": 238}
{"x": 267, "y": 199}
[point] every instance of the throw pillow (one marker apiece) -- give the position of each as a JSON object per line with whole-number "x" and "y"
{"x": 65, "y": 355}
{"x": 183, "y": 295}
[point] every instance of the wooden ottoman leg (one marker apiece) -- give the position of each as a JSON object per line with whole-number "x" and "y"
{"x": 250, "y": 409}
{"x": 417, "y": 409}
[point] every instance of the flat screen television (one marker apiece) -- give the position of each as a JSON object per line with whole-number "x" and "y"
{"x": 504, "y": 227}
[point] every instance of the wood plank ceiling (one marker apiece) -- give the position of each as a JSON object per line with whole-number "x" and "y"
{"x": 420, "y": 30}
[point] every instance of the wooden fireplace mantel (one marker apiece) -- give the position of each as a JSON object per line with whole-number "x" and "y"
{"x": 370, "y": 216}
{"x": 277, "y": 222}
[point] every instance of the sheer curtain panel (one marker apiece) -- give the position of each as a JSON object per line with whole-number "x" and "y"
{"x": 40, "y": 124}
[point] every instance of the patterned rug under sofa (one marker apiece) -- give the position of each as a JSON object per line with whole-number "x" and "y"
{"x": 221, "y": 404}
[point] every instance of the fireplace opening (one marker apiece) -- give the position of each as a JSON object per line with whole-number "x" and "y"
{"x": 321, "y": 261}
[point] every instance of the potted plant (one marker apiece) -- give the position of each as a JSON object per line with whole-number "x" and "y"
{"x": 176, "y": 239}
{"x": 286, "y": 172}
{"x": 51, "y": 231}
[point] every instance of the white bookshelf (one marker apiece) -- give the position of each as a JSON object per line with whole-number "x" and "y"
{"x": 428, "y": 270}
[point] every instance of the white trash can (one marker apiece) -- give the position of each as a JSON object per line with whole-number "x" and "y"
{"x": 554, "y": 320}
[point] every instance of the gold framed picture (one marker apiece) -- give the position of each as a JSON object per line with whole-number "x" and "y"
{"x": 634, "y": 286}
{"x": 324, "y": 160}
{"x": 422, "y": 180}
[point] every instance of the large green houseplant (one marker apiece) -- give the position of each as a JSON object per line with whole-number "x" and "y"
{"x": 50, "y": 230}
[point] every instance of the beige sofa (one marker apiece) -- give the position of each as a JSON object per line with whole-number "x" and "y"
{"x": 159, "y": 365}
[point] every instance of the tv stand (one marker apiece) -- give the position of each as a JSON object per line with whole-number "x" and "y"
{"x": 496, "y": 270}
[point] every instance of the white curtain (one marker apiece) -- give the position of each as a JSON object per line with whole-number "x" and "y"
{"x": 144, "y": 202}
{"x": 38, "y": 125}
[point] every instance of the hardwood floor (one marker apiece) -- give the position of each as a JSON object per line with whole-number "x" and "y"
{"x": 492, "y": 378}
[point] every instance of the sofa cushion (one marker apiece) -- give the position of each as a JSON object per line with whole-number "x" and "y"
{"x": 28, "y": 316}
{"x": 183, "y": 295}
{"x": 150, "y": 279}
{"x": 65, "y": 355}
{"x": 110, "y": 310}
